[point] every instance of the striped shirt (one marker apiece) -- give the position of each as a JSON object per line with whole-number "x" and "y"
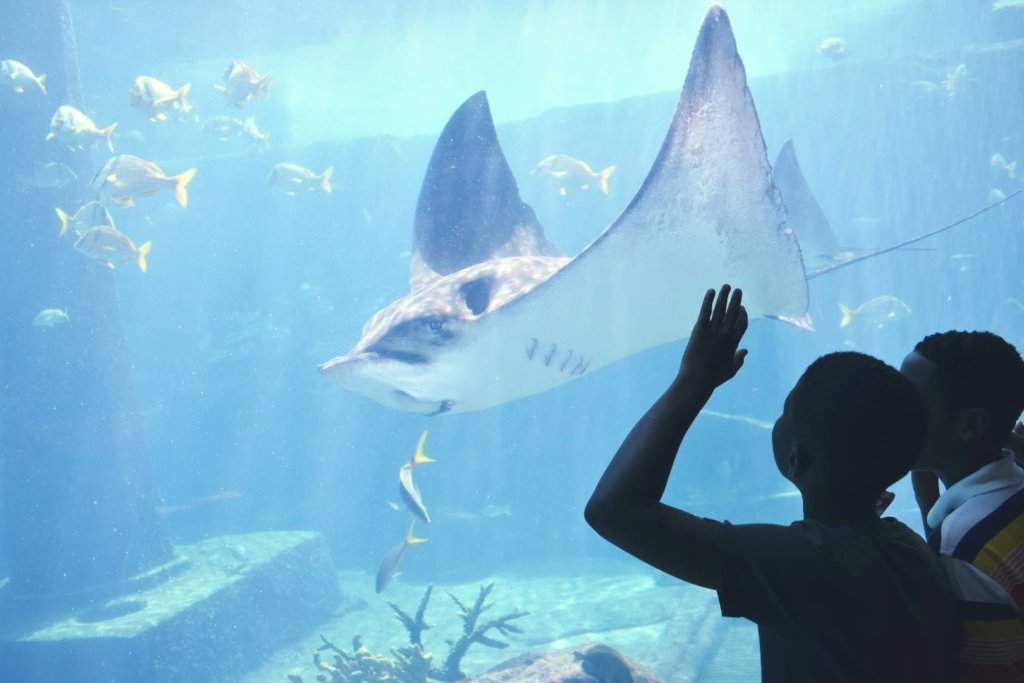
{"x": 980, "y": 524}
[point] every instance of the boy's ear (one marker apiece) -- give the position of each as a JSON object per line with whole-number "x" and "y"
{"x": 798, "y": 461}
{"x": 974, "y": 423}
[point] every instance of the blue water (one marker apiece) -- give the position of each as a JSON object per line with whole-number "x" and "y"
{"x": 248, "y": 290}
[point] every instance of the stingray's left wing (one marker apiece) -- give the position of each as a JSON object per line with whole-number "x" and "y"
{"x": 469, "y": 210}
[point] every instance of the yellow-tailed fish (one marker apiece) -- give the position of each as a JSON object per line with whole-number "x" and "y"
{"x": 156, "y": 98}
{"x": 18, "y": 77}
{"x": 291, "y": 179}
{"x": 108, "y": 246}
{"x": 125, "y": 177}
{"x": 879, "y": 312}
{"x": 50, "y": 317}
{"x": 242, "y": 83}
{"x": 389, "y": 566}
{"x": 566, "y": 172}
{"x": 77, "y": 131}
{"x": 407, "y": 489}
{"x": 89, "y": 215}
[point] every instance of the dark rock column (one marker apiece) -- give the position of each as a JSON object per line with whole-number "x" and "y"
{"x": 77, "y": 514}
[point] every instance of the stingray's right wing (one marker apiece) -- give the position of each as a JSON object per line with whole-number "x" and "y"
{"x": 706, "y": 214}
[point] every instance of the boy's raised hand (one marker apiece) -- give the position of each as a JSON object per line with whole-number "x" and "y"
{"x": 712, "y": 355}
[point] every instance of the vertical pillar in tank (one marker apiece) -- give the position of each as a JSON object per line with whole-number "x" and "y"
{"x": 77, "y": 492}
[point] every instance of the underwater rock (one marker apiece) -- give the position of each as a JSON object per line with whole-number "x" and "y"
{"x": 589, "y": 663}
{"x": 606, "y": 664}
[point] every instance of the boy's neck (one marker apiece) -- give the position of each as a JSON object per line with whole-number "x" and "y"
{"x": 826, "y": 510}
{"x": 964, "y": 466}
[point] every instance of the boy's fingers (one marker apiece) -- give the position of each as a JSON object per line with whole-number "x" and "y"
{"x": 705, "y": 307}
{"x": 742, "y": 321}
{"x": 735, "y": 304}
{"x": 723, "y": 299}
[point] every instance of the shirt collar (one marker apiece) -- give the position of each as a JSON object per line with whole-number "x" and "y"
{"x": 1002, "y": 473}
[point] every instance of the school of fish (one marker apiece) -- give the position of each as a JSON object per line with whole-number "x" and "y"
{"x": 123, "y": 179}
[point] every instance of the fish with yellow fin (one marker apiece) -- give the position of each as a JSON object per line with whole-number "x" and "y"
{"x": 879, "y": 312}
{"x": 110, "y": 246}
{"x": 566, "y": 171}
{"x": 242, "y": 83}
{"x": 407, "y": 489}
{"x": 155, "y": 98}
{"x": 389, "y": 566}
{"x": 291, "y": 178}
{"x": 125, "y": 177}
{"x": 89, "y": 215}
{"x": 77, "y": 131}
{"x": 17, "y": 77}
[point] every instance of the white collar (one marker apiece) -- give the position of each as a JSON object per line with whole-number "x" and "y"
{"x": 1002, "y": 473}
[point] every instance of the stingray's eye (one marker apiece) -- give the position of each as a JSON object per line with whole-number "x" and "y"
{"x": 435, "y": 324}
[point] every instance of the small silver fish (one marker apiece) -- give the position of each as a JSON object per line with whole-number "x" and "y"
{"x": 242, "y": 83}
{"x": 157, "y": 99}
{"x": 77, "y": 131}
{"x": 879, "y": 312}
{"x": 494, "y": 511}
{"x": 290, "y": 178}
{"x": 389, "y": 566}
{"x": 108, "y": 246}
{"x": 125, "y": 177}
{"x": 88, "y": 215}
{"x": 565, "y": 171}
{"x": 407, "y": 489}
{"x": 1000, "y": 165}
{"x": 834, "y": 48}
{"x": 50, "y": 317}
{"x": 226, "y": 127}
{"x": 51, "y": 176}
{"x": 17, "y": 77}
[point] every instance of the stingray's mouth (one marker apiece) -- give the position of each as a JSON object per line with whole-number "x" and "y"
{"x": 407, "y": 357}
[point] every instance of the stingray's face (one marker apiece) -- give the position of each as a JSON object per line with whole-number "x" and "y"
{"x": 406, "y": 357}
{"x": 426, "y": 353}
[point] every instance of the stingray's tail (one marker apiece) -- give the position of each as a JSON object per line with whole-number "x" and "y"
{"x": 602, "y": 178}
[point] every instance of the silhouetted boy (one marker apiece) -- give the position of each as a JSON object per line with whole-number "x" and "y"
{"x": 973, "y": 387}
{"x": 841, "y": 595}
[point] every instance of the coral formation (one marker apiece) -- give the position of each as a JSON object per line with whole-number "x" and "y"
{"x": 412, "y": 663}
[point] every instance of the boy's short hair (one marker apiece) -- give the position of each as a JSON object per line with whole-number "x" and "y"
{"x": 867, "y": 417}
{"x": 978, "y": 369}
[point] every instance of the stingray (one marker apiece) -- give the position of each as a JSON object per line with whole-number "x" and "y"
{"x": 803, "y": 213}
{"x": 496, "y": 312}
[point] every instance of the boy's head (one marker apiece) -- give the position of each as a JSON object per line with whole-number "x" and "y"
{"x": 850, "y": 427}
{"x": 973, "y": 386}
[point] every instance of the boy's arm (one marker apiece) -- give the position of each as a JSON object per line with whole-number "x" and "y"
{"x": 626, "y": 506}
